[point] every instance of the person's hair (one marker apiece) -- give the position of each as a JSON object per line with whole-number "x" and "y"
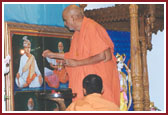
{"x": 93, "y": 84}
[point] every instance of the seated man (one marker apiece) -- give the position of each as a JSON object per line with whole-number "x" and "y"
{"x": 28, "y": 74}
{"x": 92, "y": 100}
{"x": 59, "y": 74}
{"x": 60, "y": 70}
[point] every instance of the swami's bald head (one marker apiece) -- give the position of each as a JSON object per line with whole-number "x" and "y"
{"x": 73, "y": 17}
{"x": 73, "y": 10}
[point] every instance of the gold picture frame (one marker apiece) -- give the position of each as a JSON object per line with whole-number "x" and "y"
{"x": 11, "y": 28}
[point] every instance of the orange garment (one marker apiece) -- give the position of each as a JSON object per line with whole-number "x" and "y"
{"x": 62, "y": 75}
{"x": 61, "y": 72}
{"x": 90, "y": 41}
{"x": 92, "y": 102}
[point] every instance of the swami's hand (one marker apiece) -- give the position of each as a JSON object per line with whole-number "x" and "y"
{"x": 48, "y": 53}
{"x": 71, "y": 62}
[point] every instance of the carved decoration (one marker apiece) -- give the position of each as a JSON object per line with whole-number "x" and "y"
{"x": 152, "y": 15}
{"x": 117, "y": 17}
{"x": 144, "y": 64}
{"x": 148, "y": 31}
{"x": 136, "y": 70}
{"x": 82, "y": 6}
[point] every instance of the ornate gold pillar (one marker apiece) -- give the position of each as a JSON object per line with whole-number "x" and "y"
{"x": 144, "y": 64}
{"x": 9, "y": 98}
{"x": 136, "y": 70}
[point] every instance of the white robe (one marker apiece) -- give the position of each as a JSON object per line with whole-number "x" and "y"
{"x": 23, "y": 75}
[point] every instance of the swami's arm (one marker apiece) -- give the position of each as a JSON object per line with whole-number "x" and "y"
{"x": 103, "y": 56}
{"x": 48, "y": 53}
{"x": 108, "y": 55}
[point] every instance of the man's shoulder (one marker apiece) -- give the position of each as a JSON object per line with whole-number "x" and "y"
{"x": 79, "y": 105}
{"x": 111, "y": 105}
{"x": 80, "y": 102}
{"x": 90, "y": 24}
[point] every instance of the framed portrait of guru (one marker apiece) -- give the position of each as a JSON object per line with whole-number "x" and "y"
{"x": 30, "y": 72}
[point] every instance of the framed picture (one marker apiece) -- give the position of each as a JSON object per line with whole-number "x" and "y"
{"x": 29, "y": 70}
{"x": 32, "y": 101}
{"x": 27, "y": 101}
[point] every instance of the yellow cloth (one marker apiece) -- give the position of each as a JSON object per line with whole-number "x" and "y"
{"x": 123, "y": 104}
{"x": 92, "y": 102}
{"x": 123, "y": 93}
